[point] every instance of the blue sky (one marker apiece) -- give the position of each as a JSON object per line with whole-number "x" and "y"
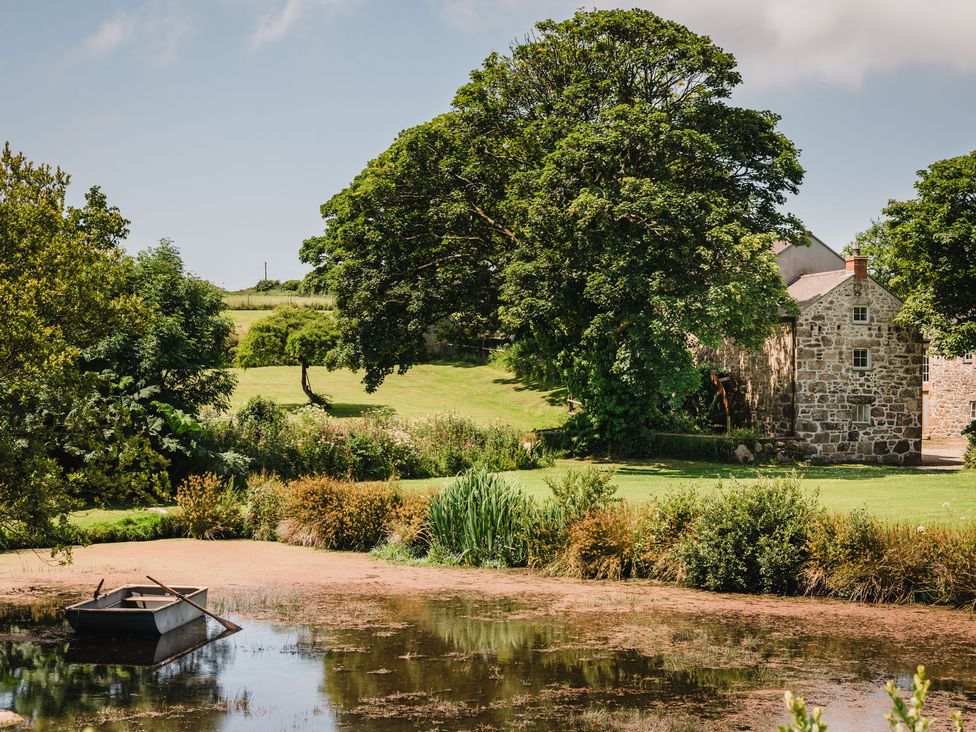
{"x": 224, "y": 124}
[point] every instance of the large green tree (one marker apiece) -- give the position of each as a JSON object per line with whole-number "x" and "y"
{"x": 61, "y": 291}
{"x": 924, "y": 250}
{"x": 594, "y": 195}
{"x": 292, "y": 335}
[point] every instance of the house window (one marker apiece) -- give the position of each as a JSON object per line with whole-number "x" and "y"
{"x": 862, "y": 359}
{"x": 967, "y": 357}
{"x": 925, "y": 366}
{"x": 861, "y": 314}
{"x": 862, "y": 413}
{"x": 972, "y": 410}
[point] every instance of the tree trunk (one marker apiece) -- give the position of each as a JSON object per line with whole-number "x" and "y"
{"x": 307, "y": 388}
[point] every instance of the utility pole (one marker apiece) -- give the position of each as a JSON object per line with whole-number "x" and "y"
{"x": 265, "y": 270}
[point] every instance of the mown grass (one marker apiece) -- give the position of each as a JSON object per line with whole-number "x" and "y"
{"x": 254, "y": 301}
{"x": 914, "y": 495}
{"x": 484, "y": 393}
{"x": 244, "y": 319}
{"x": 90, "y": 517}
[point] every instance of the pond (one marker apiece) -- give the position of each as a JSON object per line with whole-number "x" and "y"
{"x": 462, "y": 663}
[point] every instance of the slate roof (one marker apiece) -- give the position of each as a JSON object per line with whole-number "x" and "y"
{"x": 811, "y": 287}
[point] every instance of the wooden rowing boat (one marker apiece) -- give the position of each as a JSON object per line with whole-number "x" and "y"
{"x": 136, "y": 610}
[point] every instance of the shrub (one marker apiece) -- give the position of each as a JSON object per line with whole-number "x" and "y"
{"x": 482, "y": 519}
{"x": 751, "y": 538}
{"x": 574, "y": 496}
{"x": 208, "y": 508}
{"x": 660, "y": 530}
{"x": 338, "y": 514}
{"x": 858, "y": 558}
{"x": 600, "y": 545}
{"x": 263, "y": 508}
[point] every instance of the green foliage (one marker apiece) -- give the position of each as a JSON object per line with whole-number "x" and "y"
{"x": 208, "y": 508}
{"x": 803, "y": 720}
{"x": 267, "y": 285}
{"x": 376, "y": 447}
{"x": 291, "y": 335}
{"x": 182, "y": 349}
{"x": 264, "y": 503}
{"x": 481, "y": 519}
{"x": 61, "y": 292}
{"x": 602, "y": 219}
{"x": 751, "y": 538}
{"x": 660, "y": 533}
{"x": 923, "y": 249}
{"x": 903, "y": 717}
{"x": 337, "y": 514}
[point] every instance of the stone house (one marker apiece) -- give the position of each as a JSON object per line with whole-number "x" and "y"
{"x": 948, "y": 395}
{"x": 841, "y": 377}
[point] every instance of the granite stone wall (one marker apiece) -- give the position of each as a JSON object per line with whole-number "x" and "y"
{"x": 765, "y": 380}
{"x": 951, "y": 390}
{"x": 829, "y": 388}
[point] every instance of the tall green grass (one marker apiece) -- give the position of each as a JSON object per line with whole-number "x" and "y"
{"x": 481, "y": 519}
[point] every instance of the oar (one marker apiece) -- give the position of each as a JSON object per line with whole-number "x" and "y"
{"x": 226, "y": 623}
{"x": 98, "y": 589}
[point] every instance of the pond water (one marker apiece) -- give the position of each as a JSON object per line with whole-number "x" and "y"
{"x": 461, "y": 664}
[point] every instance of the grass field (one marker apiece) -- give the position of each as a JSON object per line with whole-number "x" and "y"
{"x": 248, "y": 301}
{"x": 484, "y": 393}
{"x": 912, "y": 495}
{"x": 894, "y": 494}
{"x": 244, "y": 319}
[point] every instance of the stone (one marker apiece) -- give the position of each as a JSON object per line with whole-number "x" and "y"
{"x": 743, "y": 454}
{"x": 10, "y": 719}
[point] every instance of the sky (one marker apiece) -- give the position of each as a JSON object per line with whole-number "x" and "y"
{"x": 225, "y": 124}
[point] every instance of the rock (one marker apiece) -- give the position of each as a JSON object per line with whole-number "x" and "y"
{"x": 10, "y": 719}
{"x": 743, "y": 454}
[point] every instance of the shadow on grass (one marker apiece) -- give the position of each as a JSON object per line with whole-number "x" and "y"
{"x": 348, "y": 409}
{"x": 554, "y": 395}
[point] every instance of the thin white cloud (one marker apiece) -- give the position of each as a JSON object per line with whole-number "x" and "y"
{"x": 109, "y": 37}
{"x": 157, "y": 32}
{"x": 780, "y": 42}
{"x": 282, "y": 17}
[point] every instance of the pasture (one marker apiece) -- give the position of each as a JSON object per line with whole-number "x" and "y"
{"x": 269, "y": 301}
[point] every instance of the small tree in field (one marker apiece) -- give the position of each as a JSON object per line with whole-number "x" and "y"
{"x": 292, "y": 335}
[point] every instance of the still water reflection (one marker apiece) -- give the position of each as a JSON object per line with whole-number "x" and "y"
{"x": 449, "y": 665}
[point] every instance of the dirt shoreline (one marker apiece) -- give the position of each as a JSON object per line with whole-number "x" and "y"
{"x": 262, "y": 578}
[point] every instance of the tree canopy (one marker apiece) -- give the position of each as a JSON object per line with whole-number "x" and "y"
{"x": 291, "y": 335}
{"x": 924, "y": 250}
{"x": 594, "y": 196}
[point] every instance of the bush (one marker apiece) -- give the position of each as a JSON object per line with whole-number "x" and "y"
{"x": 339, "y": 514}
{"x": 751, "y": 538}
{"x": 208, "y": 508}
{"x": 600, "y": 545}
{"x": 266, "y": 285}
{"x": 264, "y": 507}
{"x": 858, "y": 558}
{"x": 481, "y": 519}
{"x": 377, "y": 447}
{"x": 660, "y": 530}
{"x": 574, "y": 496}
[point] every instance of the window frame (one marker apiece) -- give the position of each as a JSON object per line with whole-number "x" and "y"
{"x": 867, "y": 361}
{"x": 866, "y": 408}
{"x": 967, "y": 357}
{"x": 972, "y": 410}
{"x": 867, "y": 315}
{"x": 925, "y": 367}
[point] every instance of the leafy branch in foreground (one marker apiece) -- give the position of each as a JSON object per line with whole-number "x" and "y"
{"x": 904, "y": 717}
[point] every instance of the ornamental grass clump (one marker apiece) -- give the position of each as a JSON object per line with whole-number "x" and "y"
{"x": 208, "y": 509}
{"x": 481, "y": 519}
{"x": 338, "y": 514}
{"x": 264, "y": 504}
{"x": 859, "y": 558}
{"x": 600, "y": 545}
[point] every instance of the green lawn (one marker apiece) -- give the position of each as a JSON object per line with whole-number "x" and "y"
{"x": 484, "y": 393}
{"x": 95, "y": 516}
{"x": 244, "y": 319}
{"x": 894, "y": 494}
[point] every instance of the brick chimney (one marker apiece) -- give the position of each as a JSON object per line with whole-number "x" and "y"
{"x": 858, "y": 265}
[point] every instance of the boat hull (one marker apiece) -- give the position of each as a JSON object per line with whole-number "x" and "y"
{"x": 135, "y": 610}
